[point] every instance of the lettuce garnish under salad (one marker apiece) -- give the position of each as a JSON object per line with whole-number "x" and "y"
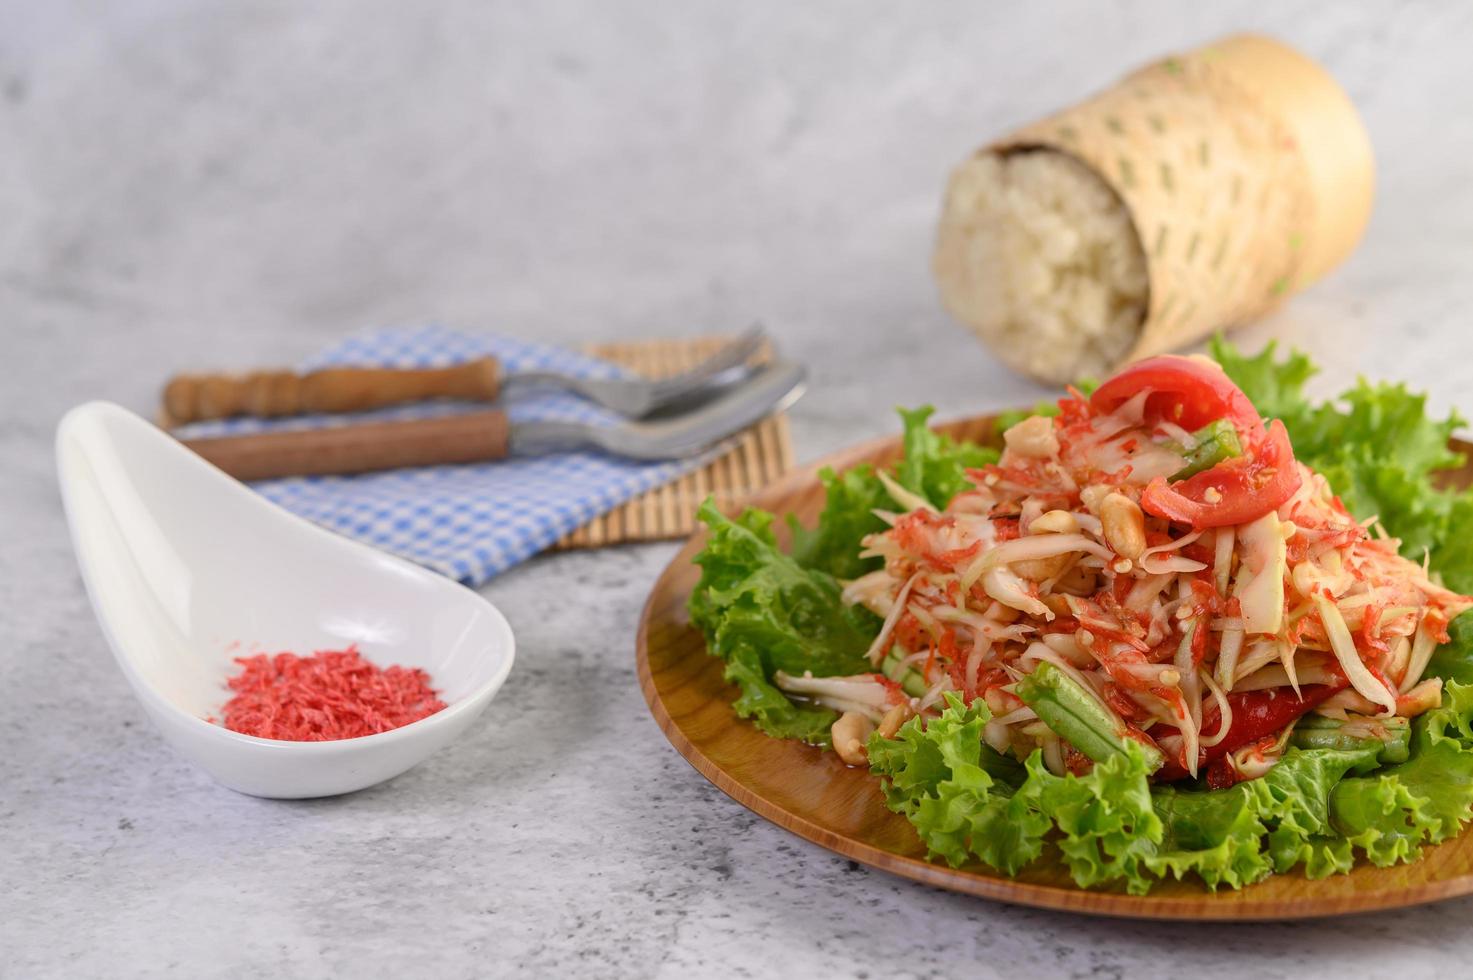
{"x": 1193, "y": 623}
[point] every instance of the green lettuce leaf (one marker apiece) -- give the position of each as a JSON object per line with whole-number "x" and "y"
{"x": 1111, "y": 827}
{"x": 935, "y": 466}
{"x": 967, "y": 802}
{"x": 848, "y": 515}
{"x": 932, "y": 465}
{"x": 1391, "y": 813}
{"x": 1454, "y": 661}
{"x": 762, "y": 612}
{"x": 768, "y": 707}
{"x": 1387, "y": 417}
{"x": 1294, "y": 801}
{"x": 1215, "y": 835}
{"x": 956, "y": 790}
{"x": 1453, "y": 560}
{"x": 1106, "y": 821}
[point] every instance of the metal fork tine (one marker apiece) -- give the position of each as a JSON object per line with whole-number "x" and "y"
{"x": 770, "y": 389}
{"x": 732, "y": 355}
{"x": 640, "y": 398}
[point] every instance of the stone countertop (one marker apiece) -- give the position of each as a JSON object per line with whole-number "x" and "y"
{"x": 191, "y": 185}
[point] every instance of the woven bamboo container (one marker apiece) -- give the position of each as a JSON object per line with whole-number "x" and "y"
{"x": 1245, "y": 168}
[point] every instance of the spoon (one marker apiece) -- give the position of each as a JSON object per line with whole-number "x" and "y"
{"x": 188, "y": 569}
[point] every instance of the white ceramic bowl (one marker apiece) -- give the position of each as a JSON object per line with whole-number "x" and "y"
{"x": 188, "y": 569}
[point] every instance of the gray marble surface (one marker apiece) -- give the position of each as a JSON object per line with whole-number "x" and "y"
{"x": 187, "y": 184}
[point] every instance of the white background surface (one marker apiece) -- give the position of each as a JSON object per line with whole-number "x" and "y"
{"x": 197, "y": 185}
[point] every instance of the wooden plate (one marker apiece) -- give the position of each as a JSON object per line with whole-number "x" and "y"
{"x": 816, "y": 797}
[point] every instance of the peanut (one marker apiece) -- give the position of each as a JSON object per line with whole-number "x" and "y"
{"x": 1124, "y": 525}
{"x": 849, "y": 734}
{"x": 1093, "y": 495}
{"x": 1033, "y": 437}
{"x": 894, "y": 718}
{"x": 1043, "y": 569}
{"x": 1054, "y": 522}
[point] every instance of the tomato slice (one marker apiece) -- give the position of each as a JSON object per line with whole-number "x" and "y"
{"x": 1193, "y": 392}
{"x": 1189, "y": 391}
{"x": 1234, "y": 491}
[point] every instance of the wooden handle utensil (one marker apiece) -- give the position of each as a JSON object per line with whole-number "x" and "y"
{"x": 268, "y": 394}
{"x": 473, "y": 438}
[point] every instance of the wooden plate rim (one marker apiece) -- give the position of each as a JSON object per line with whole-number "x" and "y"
{"x": 1223, "y": 905}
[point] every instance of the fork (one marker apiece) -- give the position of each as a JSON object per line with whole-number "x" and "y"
{"x": 270, "y": 394}
{"x": 637, "y": 398}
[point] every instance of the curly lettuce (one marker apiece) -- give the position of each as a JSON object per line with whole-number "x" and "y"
{"x": 1112, "y": 828}
{"x": 848, "y": 515}
{"x": 931, "y": 464}
{"x": 762, "y": 612}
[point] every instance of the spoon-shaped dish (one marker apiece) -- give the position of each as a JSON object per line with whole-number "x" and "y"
{"x": 188, "y": 569}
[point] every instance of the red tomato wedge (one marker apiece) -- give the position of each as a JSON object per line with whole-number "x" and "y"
{"x": 1234, "y": 491}
{"x": 1193, "y": 392}
{"x": 1189, "y": 391}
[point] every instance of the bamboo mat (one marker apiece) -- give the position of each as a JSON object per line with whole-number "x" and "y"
{"x": 761, "y": 454}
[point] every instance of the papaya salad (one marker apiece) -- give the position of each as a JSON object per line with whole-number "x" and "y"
{"x": 1146, "y": 634}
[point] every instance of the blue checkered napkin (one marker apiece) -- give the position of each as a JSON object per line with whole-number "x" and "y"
{"x": 468, "y": 522}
